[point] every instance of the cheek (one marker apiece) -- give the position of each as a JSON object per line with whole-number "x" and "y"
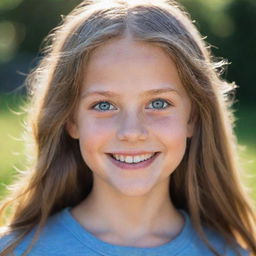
{"x": 171, "y": 133}
{"x": 172, "y": 127}
{"x": 94, "y": 132}
{"x": 93, "y": 136}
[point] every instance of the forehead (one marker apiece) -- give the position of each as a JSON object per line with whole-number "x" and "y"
{"x": 126, "y": 48}
{"x": 126, "y": 61}
{"x": 121, "y": 50}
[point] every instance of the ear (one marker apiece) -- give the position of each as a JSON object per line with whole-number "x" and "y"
{"x": 191, "y": 124}
{"x": 190, "y": 128}
{"x": 72, "y": 129}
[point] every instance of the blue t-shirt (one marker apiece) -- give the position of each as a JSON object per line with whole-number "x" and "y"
{"x": 63, "y": 235}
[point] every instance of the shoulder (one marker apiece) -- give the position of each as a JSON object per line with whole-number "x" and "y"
{"x": 54, "y": 239}
{"x": 219, "y": 243}
{"x": 5, "y": 240}
{"x": 196, "y": 245}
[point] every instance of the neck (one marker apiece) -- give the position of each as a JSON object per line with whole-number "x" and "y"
{"x": 130, "y": 217}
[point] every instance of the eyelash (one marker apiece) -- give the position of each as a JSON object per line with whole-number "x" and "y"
{"x": 102, "y": 101}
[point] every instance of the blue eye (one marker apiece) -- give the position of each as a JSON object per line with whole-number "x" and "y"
{"x": 104, "y": 106}
{"x": 160, "y": 104}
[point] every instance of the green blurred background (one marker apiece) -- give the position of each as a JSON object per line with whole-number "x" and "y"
{"x": 228, "y": 24}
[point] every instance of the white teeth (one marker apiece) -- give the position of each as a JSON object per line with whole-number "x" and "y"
{"x": 133, "y": 159}
{"x": 128, "y": 159}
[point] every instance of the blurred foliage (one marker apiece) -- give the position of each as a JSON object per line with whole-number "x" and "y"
{"x": 228, "y": 24}
{"x": 30, "y": 21}
{"x": 230, "y": 28}
{"x": 11, "y": 146}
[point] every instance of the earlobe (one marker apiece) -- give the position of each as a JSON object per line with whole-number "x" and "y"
{"x": 191, "y": 126}
{"x": 72, "y": 129}
{"x": 190, "y": 129}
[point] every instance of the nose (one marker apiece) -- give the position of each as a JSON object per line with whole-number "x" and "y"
{"x": 132, "y": 128}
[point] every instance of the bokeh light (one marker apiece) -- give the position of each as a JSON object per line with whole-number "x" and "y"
{"x": 9, "y": 4}
{"x": 11, "y": 35}
{"x": 8, "y": 43}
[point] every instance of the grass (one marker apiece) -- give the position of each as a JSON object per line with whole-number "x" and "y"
{"x": 11, "y": 146}
{"x": 245, "y": 131}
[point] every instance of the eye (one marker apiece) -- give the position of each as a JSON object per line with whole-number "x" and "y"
{"x": 160, "y": 104}
{"x": 104, "y": 106}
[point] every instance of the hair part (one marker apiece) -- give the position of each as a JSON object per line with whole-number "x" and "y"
{"x": 206, "y": 182}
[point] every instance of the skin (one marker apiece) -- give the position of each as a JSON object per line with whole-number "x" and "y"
{"x": 131, "y": 207}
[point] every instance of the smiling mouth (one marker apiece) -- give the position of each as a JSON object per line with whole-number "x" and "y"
{"x": 134, "y": 163}
{"x": 142, "y": 165}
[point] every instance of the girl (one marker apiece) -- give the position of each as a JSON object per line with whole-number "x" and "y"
{"x": 134, "y": 152}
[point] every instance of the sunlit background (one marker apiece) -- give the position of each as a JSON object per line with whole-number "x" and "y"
{"x": 228, "y": 25}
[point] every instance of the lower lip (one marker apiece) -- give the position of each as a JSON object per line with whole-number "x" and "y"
{"x": 140, "y": 165}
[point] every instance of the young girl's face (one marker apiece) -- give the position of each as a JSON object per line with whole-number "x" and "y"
{"x": 132, "y": 102}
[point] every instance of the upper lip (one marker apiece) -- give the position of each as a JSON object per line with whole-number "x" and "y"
{"x": 134, "y": 153}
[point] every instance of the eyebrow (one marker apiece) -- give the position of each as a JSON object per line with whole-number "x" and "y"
{"x": 146, "y": 93}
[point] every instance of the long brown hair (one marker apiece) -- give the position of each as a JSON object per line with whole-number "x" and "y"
{"x": 206, "y": 182}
